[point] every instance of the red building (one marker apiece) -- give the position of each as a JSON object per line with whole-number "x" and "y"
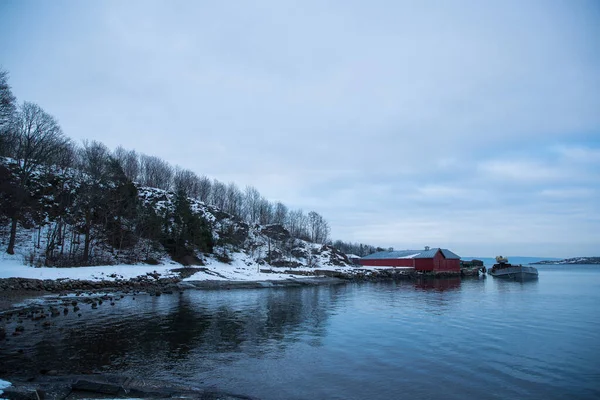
{"x": 436, "y": 260}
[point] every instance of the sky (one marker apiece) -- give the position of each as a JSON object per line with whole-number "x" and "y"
{"x": 469, "y": 125}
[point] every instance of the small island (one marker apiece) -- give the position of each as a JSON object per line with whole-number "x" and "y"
{"x": 574, "y": 260}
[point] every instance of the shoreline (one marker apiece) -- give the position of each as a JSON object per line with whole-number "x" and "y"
{"x": 39, "y": 305}
{"x": 17, "y": 291}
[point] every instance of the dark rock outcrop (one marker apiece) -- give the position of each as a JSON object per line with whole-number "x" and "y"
{"x": 275, "y": 232}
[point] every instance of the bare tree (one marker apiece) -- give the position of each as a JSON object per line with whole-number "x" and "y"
{"x": 129, "y": 161}
{"x": 204, "y": 189}
{"x": 93, "y": 160}
{"x": 38, "y": 140}
{"x": 63, "y": 199}
{"x": 265, "y": 211}
{"x": 297, "y": 224}
{"x": 280, "y": 213}
{"x": 251, "y": 205}
{"x": 219, "y": 194}
{"x": 234, "y": 201}
{"x": 93, "y": 163}
{"x": 358, "y": 249}
{"x": 318, "y": 228}
{"x": 155, "y": 172}
{"x": 186, "y": 181}
{"x": 66, "y": 156}
{"x": 7, "y": 114}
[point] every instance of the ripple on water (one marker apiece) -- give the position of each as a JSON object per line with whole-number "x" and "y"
{"x": 484, "y": 339}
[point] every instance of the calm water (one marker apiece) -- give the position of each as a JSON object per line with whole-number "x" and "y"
{"x": 478, "y": 338}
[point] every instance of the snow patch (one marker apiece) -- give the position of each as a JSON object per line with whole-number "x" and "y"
{"x": 410, "y": 256}
{"x": 241, "y": 268}
{"x": 16, "y": 269}
{"x": 4, "y": 385}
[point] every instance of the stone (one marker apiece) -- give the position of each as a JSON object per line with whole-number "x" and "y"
{"x": 51, "y": 372}
{"x": 97, "y": 387}
{"x": 18, "y": 393}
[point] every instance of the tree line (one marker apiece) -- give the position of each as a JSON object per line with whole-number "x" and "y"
{"x": 88, "y": 191}
{"x": 247, "y": 205}
{"x": 357, "y": 249}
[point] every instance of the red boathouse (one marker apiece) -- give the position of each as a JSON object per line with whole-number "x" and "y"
{"x": 436, "y": 260}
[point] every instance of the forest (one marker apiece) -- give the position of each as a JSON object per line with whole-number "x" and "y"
{"x": 78, "y": 197}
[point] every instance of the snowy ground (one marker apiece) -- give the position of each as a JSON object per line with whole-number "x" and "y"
{"x": 13, "y": 267}
{"x": 241, "y": 268}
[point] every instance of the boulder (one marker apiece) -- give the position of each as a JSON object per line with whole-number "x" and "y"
{"x": 275, "y": 232}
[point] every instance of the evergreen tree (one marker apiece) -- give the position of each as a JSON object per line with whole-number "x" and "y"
{"x": 185, "y": 231}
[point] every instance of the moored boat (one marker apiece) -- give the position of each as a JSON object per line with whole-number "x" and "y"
{"x": 503, "y": 269}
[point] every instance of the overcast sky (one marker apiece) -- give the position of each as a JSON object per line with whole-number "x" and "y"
{"x": 471, "y": 125}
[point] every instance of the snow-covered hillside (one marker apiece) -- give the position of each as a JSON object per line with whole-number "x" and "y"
{"x": 55, "y": 225}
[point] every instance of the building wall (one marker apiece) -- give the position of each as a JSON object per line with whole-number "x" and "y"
{"x": 441, "y": 263}
{"x": 452, "y": 265}
{"x": 393, "y": 262}
{"x": 424, "y": 264}
{"x": 437, "y": 263}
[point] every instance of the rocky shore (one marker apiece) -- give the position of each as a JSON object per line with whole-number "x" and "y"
{"x": 16, "y": 290}
{"x": 100, "y": 386}
{"x": 73, "y": 297}
{"x": 152, "y": 281}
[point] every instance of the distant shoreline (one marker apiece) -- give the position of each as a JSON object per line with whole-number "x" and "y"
{"x": 571, "y": 261}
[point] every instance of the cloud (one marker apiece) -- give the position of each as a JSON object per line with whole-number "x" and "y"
{"x": 569, "y": 193}
{"x": 400, "y": 122}
{"x": 520, "y": 171}
{"x": 579, "y": 154}
{"x": 441, "y": 191}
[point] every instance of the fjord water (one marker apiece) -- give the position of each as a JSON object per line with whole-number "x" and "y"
{"x": 473, "y": 338}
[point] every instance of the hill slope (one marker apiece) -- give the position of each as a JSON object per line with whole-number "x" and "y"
{"x": 70, "y": 219}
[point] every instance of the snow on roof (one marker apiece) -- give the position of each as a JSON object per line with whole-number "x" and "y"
{"x": 429, "y": 253}
{"x": 410, "y": 255}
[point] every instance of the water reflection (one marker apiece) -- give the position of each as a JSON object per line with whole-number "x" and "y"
{"x": 511, "y": 285}
{"x": 171, "y": 329}
{"x": 438, "y": 284}
{"x": 355, "y": 341}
